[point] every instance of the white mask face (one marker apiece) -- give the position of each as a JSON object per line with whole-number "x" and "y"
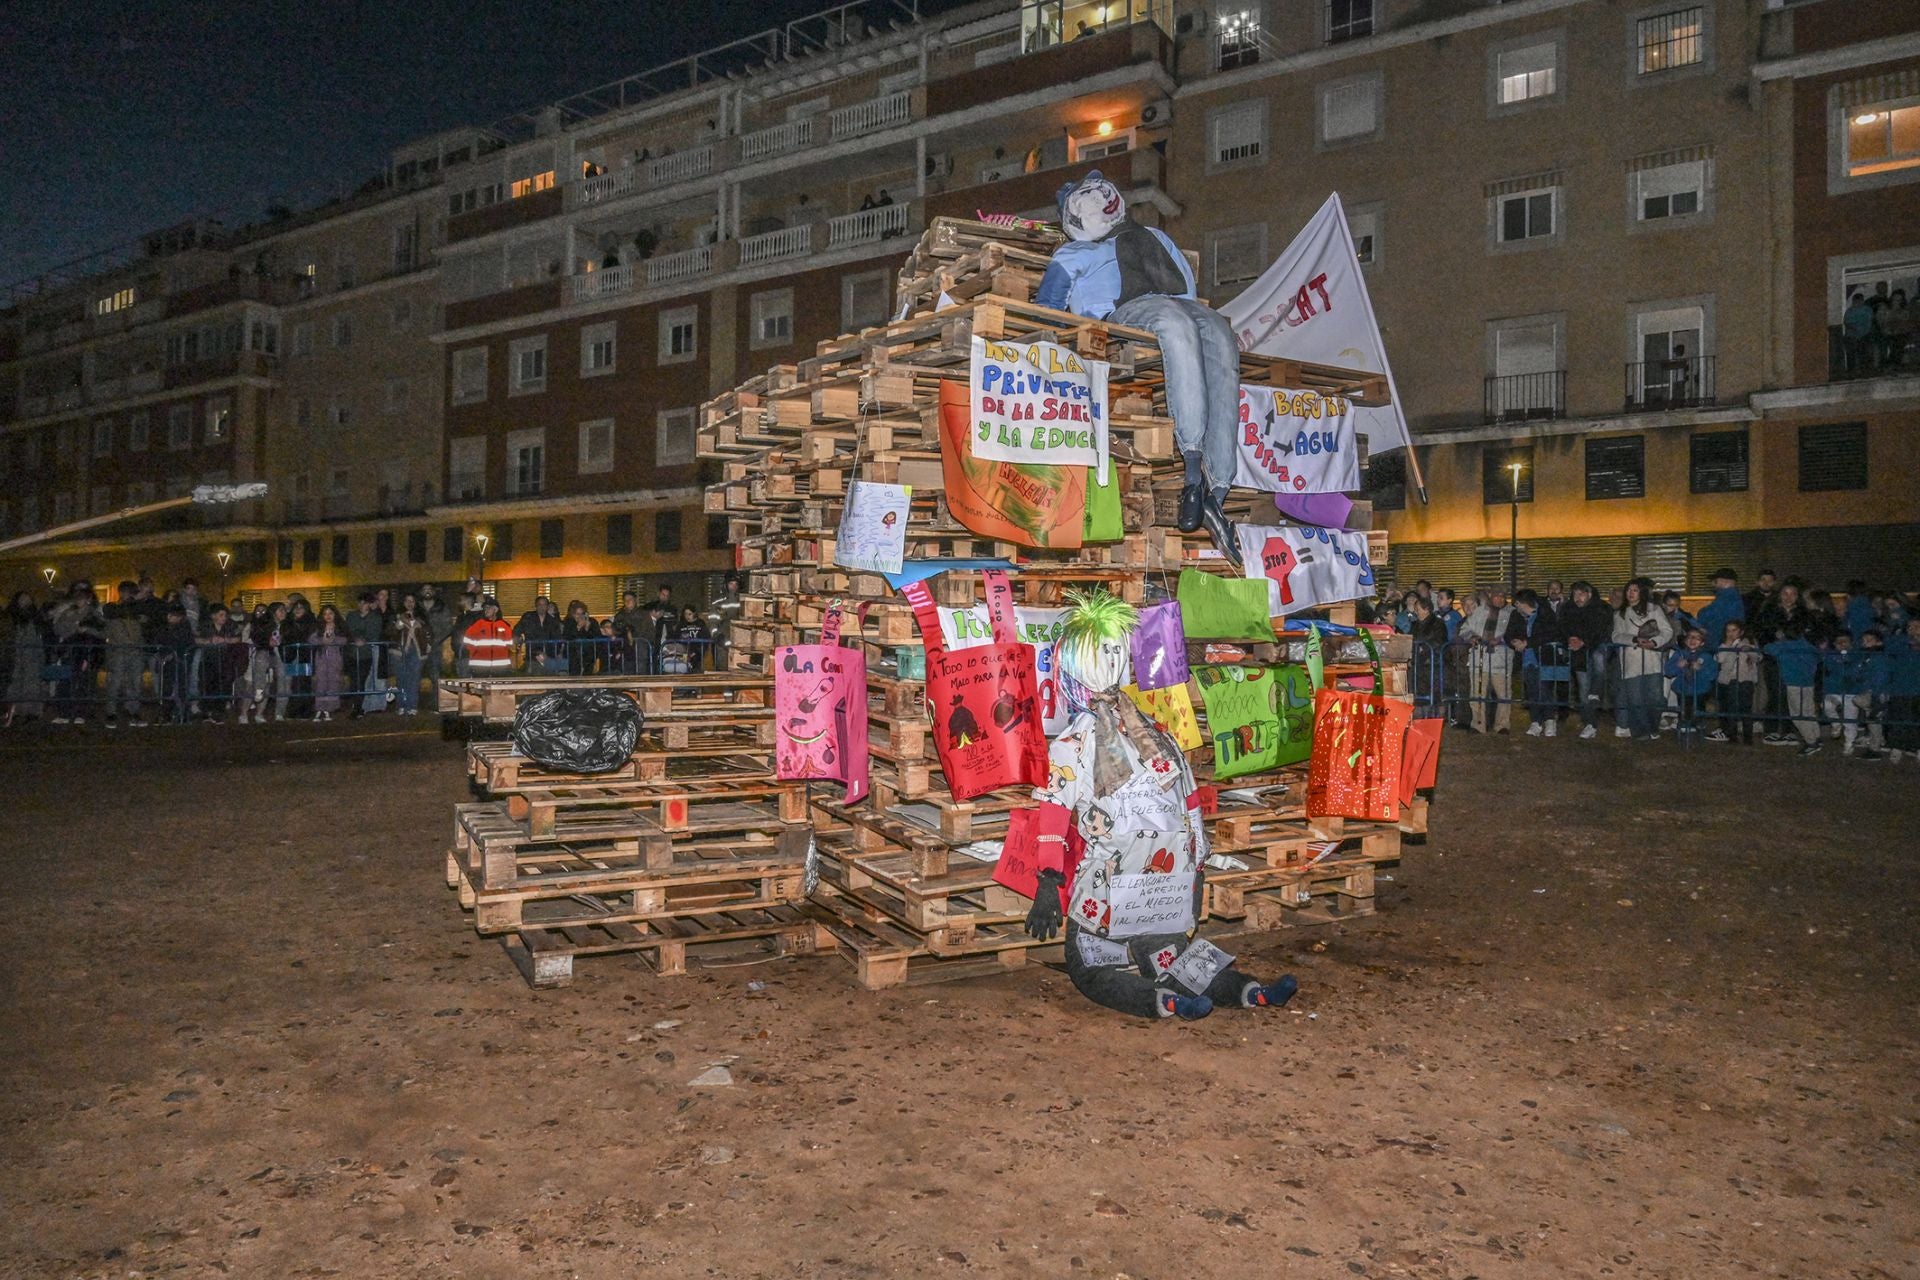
{"x": 1093, "y": 208}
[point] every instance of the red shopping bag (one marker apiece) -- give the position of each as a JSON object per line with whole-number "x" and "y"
{"x": 984, "y": 700}
{"x": 1354, "y": 771}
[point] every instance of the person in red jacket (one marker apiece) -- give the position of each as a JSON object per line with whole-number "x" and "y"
{"x": 488, "y": 641}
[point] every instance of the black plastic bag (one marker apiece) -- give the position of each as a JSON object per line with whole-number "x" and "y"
{"x": 577, "y": 730}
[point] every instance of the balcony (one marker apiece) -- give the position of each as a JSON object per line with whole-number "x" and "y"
{"x": 611, "y": 185}
{"x": 867, "y": 226}
{"x": 1524, "y": 397}
{"x": 1685, "y": 382}
{"x": 604, "y": 283}
{"x": 871, "y": 116}
{"x": 1877, "y": 356}
{"x": 681, "y": 166}
{"x": 777, "y": 246}
{"x": 684, "y": 265}
{"x": 764, "y": 144}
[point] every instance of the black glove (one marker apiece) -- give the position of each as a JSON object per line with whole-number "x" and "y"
{"x": 1044, "y": 920}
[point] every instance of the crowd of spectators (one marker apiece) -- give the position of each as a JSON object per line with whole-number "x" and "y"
{"x": 1777, "y": 663}
{"x": 1877, "y": 333}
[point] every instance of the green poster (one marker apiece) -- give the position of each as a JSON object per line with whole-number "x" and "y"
{"x": 1213, "y": 608}
{"x": 1240, "y": 719}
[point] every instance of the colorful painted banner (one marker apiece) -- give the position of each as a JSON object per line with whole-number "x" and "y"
{"x": 1241, "y": 720}
{"x": 1358, "y": 740}
{"x": 1159, "y": 647}
{"x": 1296, "y": 442}
{"x": 1215, "y": 608}
{"x": 873, "y": 527}
{"x": 1036, "y": 506}
{"x": 1036, "y": 627}
{"x": 1037, "y": 404}
{"x": 1305, "y": 566}
{"x": 1172, "y": 709}
{"x": 820, "y": 713}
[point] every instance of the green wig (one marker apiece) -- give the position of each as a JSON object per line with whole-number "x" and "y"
{"x": 1093, "y": 639}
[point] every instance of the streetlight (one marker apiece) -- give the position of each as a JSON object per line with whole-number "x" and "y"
{"x": 1513, "y": 536}
{"x": 225, "y": 558}
{"x": 49, "y": 573}
{"x": 482, "y": 541}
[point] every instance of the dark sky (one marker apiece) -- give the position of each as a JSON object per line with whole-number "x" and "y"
{"x": 117, "y": 119}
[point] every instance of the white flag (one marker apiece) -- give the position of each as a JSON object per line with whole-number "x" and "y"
{"x": 1306, "y": 566}
{"x": 1296, "y": 442}
{"x": 1312, "y": 304}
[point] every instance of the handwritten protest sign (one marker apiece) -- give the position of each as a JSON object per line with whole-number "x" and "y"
{"x": 820, "y": 708}
{"x": 1172, "y": 709}
{"x": 1097, "y": 952}
{"x": 1240, "y": 719}
{"x": 1198, "y": 964}
{"x": 1296, "y": 442}
{"x": 873, "y": 527}
{"x": 1038, "y": 402}
{"x": 1305, "y": 566}
{"x": 1151, "y": 903}
{"x": 1035, "y": 506}
{"x": 1039, "y": 628}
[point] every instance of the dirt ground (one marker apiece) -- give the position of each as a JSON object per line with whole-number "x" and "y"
{"x": 1631, "y": 1012}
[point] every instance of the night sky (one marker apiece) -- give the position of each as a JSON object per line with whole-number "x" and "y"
{"x": 117, "y": 119}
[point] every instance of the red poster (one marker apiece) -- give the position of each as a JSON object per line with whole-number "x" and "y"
{"x": 1354, "y": 771}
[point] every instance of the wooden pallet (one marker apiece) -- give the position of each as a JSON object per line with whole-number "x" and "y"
{"x": 495, "y": 853}
{"x": 682, "y": 698}
{"x": 545, "y": 957}
{"x": 494, "y": 767}
{"x": 885, "y": 955}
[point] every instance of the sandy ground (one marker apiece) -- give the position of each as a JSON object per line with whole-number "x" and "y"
{"x": 1632, "y": 1012}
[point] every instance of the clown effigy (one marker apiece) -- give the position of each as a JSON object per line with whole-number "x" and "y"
{"x": 1112, "y": 268}
{"x": 1133, "y": 905}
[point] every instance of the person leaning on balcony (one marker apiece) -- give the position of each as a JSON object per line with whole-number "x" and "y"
{"x": 488, "y": 641}
{"x": 1856, "y": 332}
{"x": 1113, "y": 268}
{"x": 1896, "y": 330}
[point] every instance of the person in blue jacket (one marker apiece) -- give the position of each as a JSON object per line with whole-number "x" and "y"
{"x": 1903, "y": 693}
{"x": 1861, "y": 610}
{"x": 1112, "y": 268}
{"x": 1694, "y": 671}
{"x": 1726, "y": 606}
{"x": 1798, "y": 661}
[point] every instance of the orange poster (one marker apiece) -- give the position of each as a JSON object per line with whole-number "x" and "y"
{"x": 1035, "y": 506}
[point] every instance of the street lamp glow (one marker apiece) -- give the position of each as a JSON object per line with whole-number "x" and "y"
{"x": 1106, "y": 128}
{"x": 49, "y": 574}
{"x": 481, "y": 540}
{"x": 225, "y": 558}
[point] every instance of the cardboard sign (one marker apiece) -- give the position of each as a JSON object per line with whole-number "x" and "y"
{"x": 1241, "y": 720}
{"x": 1037, "y": 404}
{"x": 1172, "y": 709}
{"x": 1160, "y": 647}
{"x": 1296, "y": 442}
{"x": 1304, "y": 566}
{"x": 984, "y": 701}
{"x": 1097, "y": 952}
{"x": 820, "y": 714}
{"x": 1151, "y": 903}
{"x": 873, "y": 527}
{"x": 1035, "y": 506}
{"x": 1354, "y": 771}
{"x": 1213, "y": 608}
{"x": 1198, "y": 965}
{"x": 1034, "y": 626}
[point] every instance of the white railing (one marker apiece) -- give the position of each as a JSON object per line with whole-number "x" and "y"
{"x": 866, "y": 226}
{"x": 874, "y": 113}
{"x": 610, "y": 185}
{"x": 773, "y": 246}
{"x": 603, "y": 283}
{"x": 776, "y": 141}
{"x": 679, "y": 167}
{"x": 680, "y": 266}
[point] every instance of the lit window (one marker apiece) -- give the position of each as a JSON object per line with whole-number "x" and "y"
{"x": 679, "y": 335}
{"x": 1673, "y": 39}
{"x": 772, "y": 315}
{"x": 597, "y": 349}
{"x": 527, "y": 186}
{"x": 1239, "y": 39}
{"x": 1521, "y": 75}
{"x": 118, "y": 300}
{"x": 1882, "y": 137}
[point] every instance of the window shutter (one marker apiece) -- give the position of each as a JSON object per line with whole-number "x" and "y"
{"x": 1833, "y": 456}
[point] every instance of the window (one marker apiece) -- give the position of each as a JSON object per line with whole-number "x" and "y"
{"x": 100, "y": 500}
{"x": 1236, "y": 134}
{"x": 1525, "y": 367}
{"x": 383, "y": 547}
{"x": 527, "y": 365}
{"x": 1239, "y": 39}
{"x": 342, "y": 331}
{"x": 772, "y": 317}
{"x": 1616, "y": 467}
{"x": 666, "y": 531}
{"x": 400, "y": 316}
{"x": 1386, "y": 481}
{"x": 339, "y": 415}
{"x": 620, "y": 535}
{"x": 118, "y": 300}
{"x": 679, "y": 335}
{"x": 342, "y": 551}
{"x": 1717, "y": 462}
{"x": 1674, "y": 369}
{"x": 344, "y": 276}
{"x": 1671, "y": 39}
{"x": 416, "y": 546}
{"x": 719, "y": 535}
{"x": 62, "y": 508}
{"x": 527, "y": 186}
{"x": 399, "y": 391}
{"x": 283, "y": 555}
{"x": 674, "y": 444}
{"x": 453, "y": 545}
{"x": 596, "y": 446}
{"x": 180, "y": 427}
{"x": 553, "y": 539}
{"x": 467, "y": 468}
{"x": 137, "y": 431}
{"x": 219, "y": 419}
{"x": 526, "y": 462}
{"x": 406, "y": 246}
{"x": 103, "y": 439}
{"x": 1663, "y": 191}
{"x": 1526, "y": 215}
{"x": 1497, "y": 474}
{"x": 596, "y": 349}
{"x": 1350, "y": 109}
{"x": 502, "y": 546}
{"x": 303, "y": 413}
{"x": 1096, "y": 147}
{"x": 1348, "y": 20}
{"x": 864, "y": 298}
{"x": 1526, "y": 73}
{"x": 1882, "y": 137}
{"x": 1363, "y": 225}
{"x": 303, "y": 338}
{"x": 1236, "y": 255}
{"x": 470, "y": 375}
{"x": 1833, "y": 456}
{"x": 310, "y": 554}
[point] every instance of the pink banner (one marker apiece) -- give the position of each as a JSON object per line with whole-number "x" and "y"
{"x": 820, "y": 706}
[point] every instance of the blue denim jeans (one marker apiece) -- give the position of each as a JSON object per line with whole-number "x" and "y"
{"x": 1201, "y": 360}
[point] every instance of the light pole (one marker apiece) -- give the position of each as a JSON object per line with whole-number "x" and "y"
{"x": 225, "y": 558}
{"x": 1513, "y": 536}
{"x": 49, "y": 573}
{"x": 481, "y": 540}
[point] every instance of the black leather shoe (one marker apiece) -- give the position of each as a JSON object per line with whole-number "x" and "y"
{"x": 1221, "y": 529}
{"x": 1190, "y": 499}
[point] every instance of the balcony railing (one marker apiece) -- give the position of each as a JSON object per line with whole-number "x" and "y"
{"x": 610, "y": 185}
{"x": 1683, "y": 382}
{"x": 681, "y": 166}
{"x": 866, "y": 226}
{"x": 776, "y": 141}
{"x": 1874, "y": 356}
{"x": 872, "y": 115}
{"x": 680, "y": 266}
{"x": 603, "y": 283}
{"x": 776, "y": 246}
{"x": 1519, "y": 397}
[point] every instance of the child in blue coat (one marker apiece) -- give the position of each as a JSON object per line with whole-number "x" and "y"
{"x": 1693, "y": 671}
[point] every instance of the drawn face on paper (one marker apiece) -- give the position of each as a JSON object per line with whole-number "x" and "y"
{"x": 890, "y": 519}
{"x": 1097, "y": 824}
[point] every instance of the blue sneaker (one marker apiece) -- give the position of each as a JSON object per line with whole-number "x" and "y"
{"x": 1271, "y": 996}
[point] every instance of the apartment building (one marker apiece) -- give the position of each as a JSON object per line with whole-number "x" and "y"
{"x": 1607, "y": 242}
